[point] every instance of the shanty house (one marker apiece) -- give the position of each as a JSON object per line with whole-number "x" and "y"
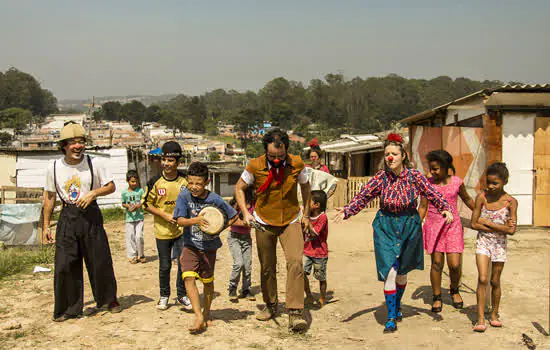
{"x": 509, "y": 124}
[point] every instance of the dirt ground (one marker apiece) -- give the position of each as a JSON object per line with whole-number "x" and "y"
{"x": 353, "y": 319}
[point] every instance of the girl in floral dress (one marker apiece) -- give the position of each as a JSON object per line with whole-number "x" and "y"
{"x": 397, "y": 226}
{"x": 495, "y": 217}
{"x": 441, "y": 239}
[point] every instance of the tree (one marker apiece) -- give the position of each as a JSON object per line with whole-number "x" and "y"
{"x": 109, "y": 111}
{"x": 22, "y": 90}
{"x": 133, "y": 112}
{"x": 214, "y": 156}
{"x": 16, "y": 118}
{"x": 5, "y": 139}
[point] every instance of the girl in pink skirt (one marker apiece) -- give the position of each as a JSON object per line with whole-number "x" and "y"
{"x": 442, "y": 239}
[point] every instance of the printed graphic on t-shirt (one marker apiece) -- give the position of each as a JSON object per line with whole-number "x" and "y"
{"x": 72, "y": 187}
{"x": 161, "y": 192}
{"x": 194, "y": 209}
{"x": 134, "y": 198}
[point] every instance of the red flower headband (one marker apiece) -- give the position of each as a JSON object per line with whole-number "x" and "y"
{"x": 313, "y": 143}
{"x": 395, "y": 138}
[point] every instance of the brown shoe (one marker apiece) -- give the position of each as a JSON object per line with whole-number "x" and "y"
{"x": 133, "y": 261}
{"x": 296, "y": 322}
{"x": 114, "y": 307}
{"x": 142, "y": 260}
{"x": 269, "y": 312}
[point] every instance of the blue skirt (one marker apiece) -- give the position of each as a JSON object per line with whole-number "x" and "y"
{"x": 398, "y": 238}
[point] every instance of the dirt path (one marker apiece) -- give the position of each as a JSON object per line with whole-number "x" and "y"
{"x": 354, "y": 318}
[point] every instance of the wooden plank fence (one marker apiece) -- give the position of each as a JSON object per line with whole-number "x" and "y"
{"x": 14, "y": 194}
{"x": 347, "y": 189}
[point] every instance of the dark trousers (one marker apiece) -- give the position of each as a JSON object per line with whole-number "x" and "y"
{"x": 80, "y": 234}
{"x": 164, "y": 248}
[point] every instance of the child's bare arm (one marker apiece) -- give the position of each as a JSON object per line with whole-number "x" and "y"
{"x": 423, "y": 208}
{"x": 197, "y": 220}
{"x": 466, "y": 198}
{"x": 476, "y": 213}
{"x": 233, "y": 221}
{"x": 509, "y": 227}
{"x": 157, "y": 212}
{"x": 513, "y": 216}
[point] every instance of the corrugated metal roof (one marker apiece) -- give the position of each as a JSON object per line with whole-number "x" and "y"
{"x": 517, "y": 100}
{"x": 431, "y": 112}
{"x": 524, "y": 88}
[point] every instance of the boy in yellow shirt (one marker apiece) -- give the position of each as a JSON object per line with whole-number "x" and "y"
{"x": 160, "y": 200}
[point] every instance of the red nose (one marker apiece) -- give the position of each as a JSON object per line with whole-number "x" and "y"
{"x": 390, "y": 158}
{"x": 276, "y": 161}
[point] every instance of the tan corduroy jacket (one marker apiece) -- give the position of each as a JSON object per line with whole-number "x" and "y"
{"x": 278, "y": 205}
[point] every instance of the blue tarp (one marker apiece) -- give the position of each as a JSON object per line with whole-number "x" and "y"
{"x": 156, "y": 151}
{"x": 19, "y": 223}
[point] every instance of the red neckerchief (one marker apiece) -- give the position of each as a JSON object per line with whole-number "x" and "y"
{"x": 273, "y": 174}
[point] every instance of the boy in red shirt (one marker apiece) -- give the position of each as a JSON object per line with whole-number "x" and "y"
{"x": 315, "y": 246}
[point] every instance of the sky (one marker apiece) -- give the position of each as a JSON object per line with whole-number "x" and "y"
{"x": 79, "y": 48}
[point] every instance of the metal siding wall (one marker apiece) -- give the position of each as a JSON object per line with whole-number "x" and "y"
{"x": 424, "y": 140}
{"x": 31, "y": 171}
{"x": 517, "y": 153}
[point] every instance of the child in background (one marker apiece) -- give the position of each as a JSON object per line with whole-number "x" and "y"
{"x": 315, "y": 246}
{"x": 198, "y": 256}
{"x": 495, "y": 217}
{"x": 131, "y": 201}
{"x": 442, "y": 239}
{"x": 240, "y": 246}
{"x": 160, "y": 200}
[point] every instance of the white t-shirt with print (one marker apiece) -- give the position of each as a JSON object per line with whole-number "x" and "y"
{"x": 74, "y": 181}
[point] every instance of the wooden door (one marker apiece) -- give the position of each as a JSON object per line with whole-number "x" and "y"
{"x": 542, "y": 172}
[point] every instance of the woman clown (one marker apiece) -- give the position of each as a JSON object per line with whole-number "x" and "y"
{"x": 397, "y": 227}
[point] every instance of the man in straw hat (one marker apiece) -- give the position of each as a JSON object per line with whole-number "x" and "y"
{"x": 275, "y": 176}
{"x": 79, "y": 180}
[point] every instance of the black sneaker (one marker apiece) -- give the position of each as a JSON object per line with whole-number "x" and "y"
{"x": 233, "y": 295}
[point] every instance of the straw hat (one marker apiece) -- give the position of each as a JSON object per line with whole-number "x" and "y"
{"x": 72, "y": 130}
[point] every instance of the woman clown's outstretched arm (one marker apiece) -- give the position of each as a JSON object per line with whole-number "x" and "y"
{"x": 371, "y": 190}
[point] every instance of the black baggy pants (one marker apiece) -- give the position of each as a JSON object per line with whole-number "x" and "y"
{"x": 80, "y": 234}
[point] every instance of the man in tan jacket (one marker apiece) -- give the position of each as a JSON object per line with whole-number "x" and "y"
{"x": 275, "y": 177}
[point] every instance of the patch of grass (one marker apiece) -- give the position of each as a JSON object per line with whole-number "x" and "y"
{"x": 18, "y": 335}
{"x": 113, "y": 214}
{"x": 17, "y": 260}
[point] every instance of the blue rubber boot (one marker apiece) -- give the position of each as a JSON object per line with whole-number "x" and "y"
{"x": 391, "y": 304}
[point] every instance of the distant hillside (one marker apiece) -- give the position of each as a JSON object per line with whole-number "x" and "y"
{"x": 83, "y": 105}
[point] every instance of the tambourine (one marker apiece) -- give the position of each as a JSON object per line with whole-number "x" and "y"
{"x": 215, "y": 219}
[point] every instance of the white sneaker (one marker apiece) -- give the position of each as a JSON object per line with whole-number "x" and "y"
{"x": 185, "y": 302}
{"x": 163, "y": 303}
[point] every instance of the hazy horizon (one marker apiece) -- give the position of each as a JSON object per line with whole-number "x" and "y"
{"x": 77, "y": 49}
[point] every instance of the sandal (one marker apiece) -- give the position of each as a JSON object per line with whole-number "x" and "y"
{"x": 457, "y": 305}
{"x": 437, "y": 297}
{"x": 495, "y": 323}
{"x": 480, "y": 328}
